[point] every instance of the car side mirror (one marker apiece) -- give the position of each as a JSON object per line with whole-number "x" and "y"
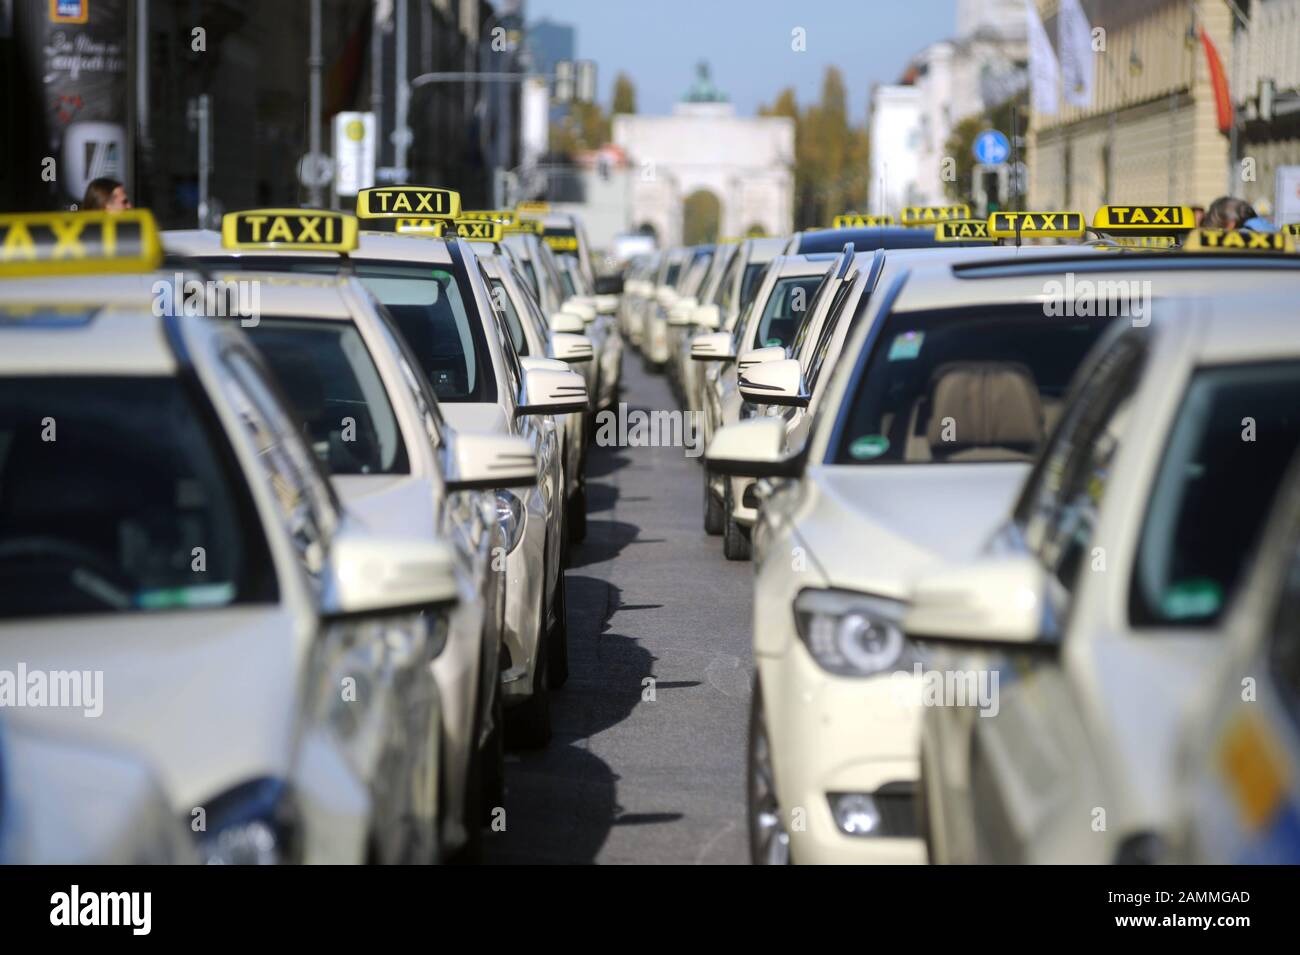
{"x": 581, "y": 306}
{"x": 712, "y": 346}
{"x": 567, "y": 323}
{"x": 551, "y": 392}
{"x": 753, "y": 448}
{"x": 572, "y": 348}
{"x": 756, "y": 356}
{"x": 478, "y": 461}
{"x": 774, "y": 383}
{"x": 707, "y": 317}
{"x": 369, "y": 573}
{"x": 993, "y": 600}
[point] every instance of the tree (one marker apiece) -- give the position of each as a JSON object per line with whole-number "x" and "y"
{"x": 831, "y": 171}
{"x": 701, "y": 216}
{"x": 624, "y": 94}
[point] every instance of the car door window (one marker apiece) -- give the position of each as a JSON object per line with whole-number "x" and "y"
{"x": 1284, "y": 641}
{"x": 1060, "y": 510}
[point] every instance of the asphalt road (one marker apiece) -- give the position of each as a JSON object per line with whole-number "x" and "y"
{"x": 627, "y": 779}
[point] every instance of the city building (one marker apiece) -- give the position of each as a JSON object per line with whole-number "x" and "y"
{"x": 1266, "y": 89}
{"x": 1151, "y": 133}
{"x": 895, "y": 136}
{"x": 742, "y": 165}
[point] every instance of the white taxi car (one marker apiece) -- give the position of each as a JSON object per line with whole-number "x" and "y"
{"x": 168, "y": 543}
{"x": 1101, "y": 604}
{"x": 437, "y": 296}
{"x": 1238, "y": 759}
{"x": 927, "y": 430}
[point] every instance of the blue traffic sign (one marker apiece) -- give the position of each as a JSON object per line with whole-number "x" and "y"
{"x": 991, "y": 148}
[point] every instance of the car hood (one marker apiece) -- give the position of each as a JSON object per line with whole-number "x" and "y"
{"x": 871, "y": 528}
{"x": 209, "y": 698}
{"x": 398, "y": 505}
{"x": 476, "y": 416}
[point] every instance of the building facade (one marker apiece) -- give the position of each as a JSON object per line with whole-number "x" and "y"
{"x": 1266, "y": 88}
{"x": 1150, "y": 134}
{"x": 745, "y": 163}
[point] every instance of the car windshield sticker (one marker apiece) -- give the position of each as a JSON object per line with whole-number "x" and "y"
{"x": 906, "y": 346}
{"x": 869, "y": 446}
{"x": 1188, "y": 599}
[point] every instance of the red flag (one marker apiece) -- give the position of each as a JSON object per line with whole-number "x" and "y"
{"x": 1219, "y": 80}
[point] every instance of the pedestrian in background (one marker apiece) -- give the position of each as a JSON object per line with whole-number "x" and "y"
{"x": 106, "y": 194}
{"x": 1229, "y": 212}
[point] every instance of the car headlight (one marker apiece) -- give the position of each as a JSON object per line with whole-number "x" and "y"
{"x": 851, "y": 634}
{"x": 252, "y": 824}
{"x": 510, "y": 518}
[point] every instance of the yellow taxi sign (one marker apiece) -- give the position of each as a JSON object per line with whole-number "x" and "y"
{"x": 1145, "y": 241}
{"x": 1237, "y": 240}
{"x": 526, "y": 226}
{"x": 405, "y": 202}
{"x": 561, "y": 242}
{"x": 1037, "y": 225}
{"x": 503, "y": 216}
{"x": 289, "y": 230}
{"x": 479, "y": 230}
{"x": 853, "y": 221}
{"x": 78, "y": 243}
{"x": 1292, "y": 229}
{"x": 930, "y": 215}
{"x": 1144, "y": 220}
{"x": 419, "y": 226}
{"x": 961, "y": 230}
{"x": 532, "y": 207}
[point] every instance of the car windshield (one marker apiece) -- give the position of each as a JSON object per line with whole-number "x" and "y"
{"x": 433, "y": 307}
{"x": 330, "y": 379}
{"x": 116, "y": 494}
{"x": 670, "y": 277}
{"x": 785, "y": 310}
{"x": 1237, "y": 430}
{"x": 960, "y": 385}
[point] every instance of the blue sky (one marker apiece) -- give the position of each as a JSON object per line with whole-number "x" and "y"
{"x": 747, "y": 44}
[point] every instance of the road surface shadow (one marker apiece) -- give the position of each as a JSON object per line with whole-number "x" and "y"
{"x": 561, "y": 802}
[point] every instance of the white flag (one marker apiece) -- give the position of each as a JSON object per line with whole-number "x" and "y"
{"x": 1043, "y": 70}
{"x": 1074, "y": 40}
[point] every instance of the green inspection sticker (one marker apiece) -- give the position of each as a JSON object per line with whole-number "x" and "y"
{"x": 906, "y": 346}
{"x": 868, "y": 446}
{"x": 772, "y": 341}
{"x": 1198, "y": 597}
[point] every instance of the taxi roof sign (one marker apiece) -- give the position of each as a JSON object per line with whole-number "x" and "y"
{"x": 532, "y": 207}
{"x": 561, "y": 242}
{"x": 1237, "y": 240}
{"x": 407, "y": 202}
{"x": 1037, "y": 225}
{"x": 854, "y": 221}
{"x": 289, "y": 230}
{"x": 1144, "y": 220}
{"x": 1144, "y": 241}
{"x": 78, "y": 243}
{"x": 929, "y": 215}
{"x": 961, "y": 230}
{"x": 479, "y": 230}
{"x": 503, "y": 216}
{"x": 527, "y": 226}
{"x": 1292, "y": 229}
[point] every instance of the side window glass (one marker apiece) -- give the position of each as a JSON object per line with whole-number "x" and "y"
{"x": 298, "y": 487}
{"x": 1284, "y": 642}
{"x": 1060, "y": 513}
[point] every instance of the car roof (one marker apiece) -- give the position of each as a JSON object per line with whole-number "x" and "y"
{"x": 976, "y": 280}
{"x": 109, "y": 340}
{"x": 285, "y": 294}
{"x": 1240, "y": 328}
{"x": 867, "y": 239}
{"x": 381, "y": 246}
{"x": 124, "y": 288}
{"x": 788, "y": 265}
{"x": 757, "y": 251}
